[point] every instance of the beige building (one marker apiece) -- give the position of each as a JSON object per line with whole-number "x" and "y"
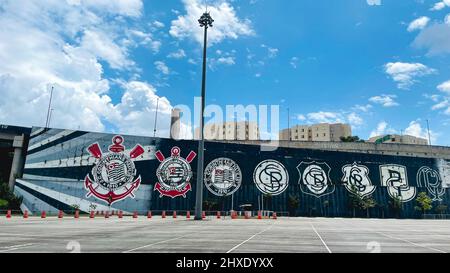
{"x": 400, "y": 139}
{"x": 317, "y": 132}
{"x": 230, "y": 131}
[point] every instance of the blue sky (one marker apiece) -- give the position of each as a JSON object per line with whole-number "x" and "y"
{"x": 382, "y": 66}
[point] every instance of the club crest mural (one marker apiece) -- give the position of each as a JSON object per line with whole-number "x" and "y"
{"x": 356, "y": 177}
{"x": 174, "y": 174}
{"x": 430, "y": 179}
{"x": 315, "y": 178}
{"x": 395, "y": 178}
{"x": 67, "y": 169}
{"x": 223, "y": 177}
{"x": 114, "y": 175}
{"x": 271, "y": 177}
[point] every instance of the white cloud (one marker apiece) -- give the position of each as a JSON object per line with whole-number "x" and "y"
{"x": 36, "y": 54}
{"x": 415, "y": 129}
{"x": 294, "y": 62}
{"x": 382, "y": 129}
{"x": 374, "y": 2}
{"x": 405, "y": 74}
{"x": 162, "y": 67}
{"x": 100, "y": 44}
{"x": 435, "y": 38}
{"x": 445, "y": 87}
{"x": 227, "y": 25}
{"x": 271, "y": 52}
{"x": 158, "y": 24}
{"x": 355, "y": 120}
{"x": 362, "y": 108}
{"x": 179, "y": 54}
{"x": 419, "y": 23}
{"x": 385, "y": 100}
{"x": 441, "y": 5}
{"x": 325, "y": 117}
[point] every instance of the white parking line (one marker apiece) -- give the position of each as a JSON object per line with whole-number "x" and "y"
{"x": 15, "y": 247}
{"x": 231, "y": 250}
{"x": 407, "y": 241}
{"x": 161, "y": 242}
{"x": 320, "y": 237}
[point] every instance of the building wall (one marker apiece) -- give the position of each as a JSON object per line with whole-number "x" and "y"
{"x": 60, "y": 166}
{"x": 402, "y": 139}
{"x": 230, "y": 131}
{"x": 318, "y": 132}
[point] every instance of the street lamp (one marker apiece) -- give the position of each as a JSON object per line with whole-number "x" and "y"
{"x": 206, "y": 22}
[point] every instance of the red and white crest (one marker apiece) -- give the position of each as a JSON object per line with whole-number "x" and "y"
{"x": 174, "y": 174}
{"x": 113, "y": 176}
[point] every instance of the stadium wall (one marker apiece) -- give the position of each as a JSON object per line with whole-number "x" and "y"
{"x": 67, "y": 169}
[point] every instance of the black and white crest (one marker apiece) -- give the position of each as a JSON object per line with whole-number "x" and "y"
{"x": 315, "y": 178}
{"x": 356, "y": 177}
{"x": 271, "y": 177}
{"x": 431, "y": 179}
{"x": 395, "y": 178}
{"x": 223, "y": 177}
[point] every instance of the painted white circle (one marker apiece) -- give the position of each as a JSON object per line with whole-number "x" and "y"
{"x": 271, "y": 177}
{"x": 223, "y": 177}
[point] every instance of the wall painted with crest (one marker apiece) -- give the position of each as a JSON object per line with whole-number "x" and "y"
{"x": 92, "y": 171}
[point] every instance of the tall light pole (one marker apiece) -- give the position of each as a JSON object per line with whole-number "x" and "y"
{"x": 429, "y": 135}
{"x": 47, "y": 121}
{"x": 206, "y": 22}
{"x": 156, "y": 118}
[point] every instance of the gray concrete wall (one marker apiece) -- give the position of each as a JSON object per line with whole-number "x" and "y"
{"x": 363, "y": 147}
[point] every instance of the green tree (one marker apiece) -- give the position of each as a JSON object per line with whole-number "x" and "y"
{"x": 12, "y": 202}
{"x": 351, "y": 139}
{"x": 368, "y": 203}
{"x": 424, "y": 202}
{"x": 355, "y": 199}
{"x": 396, "y": 205}
{"x": 293, "y": 203}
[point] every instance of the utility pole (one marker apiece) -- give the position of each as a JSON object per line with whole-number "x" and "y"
{"x": 429, "y": 135}
{"x": 205, "y": 21}
{"x": 289, "y": 125}
{"x": 47, "y": 121}
{"x": 156, "y": 117}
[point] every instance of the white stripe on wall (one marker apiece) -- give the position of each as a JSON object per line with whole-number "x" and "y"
{"x": 51, "y": 139}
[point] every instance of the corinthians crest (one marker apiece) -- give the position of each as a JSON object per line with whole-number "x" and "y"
{"x": 357, "y": 177}
{"x": 113, "y": 177}
{"x": 223, "y": 177}
{"x": 174, "y": 174}
{"x": 431, "y": 179}
{"x": 315, "y": 178}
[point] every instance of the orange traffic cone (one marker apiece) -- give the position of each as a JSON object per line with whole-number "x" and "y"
{"x": 120, "y": 214}
{"x": 188, "y": 215}
{"x": 259, "y": 215}
{"x": 25, "y": 214}
{"x": 174, "y": 214}
{"x": 107, "y": 215}
{"x": 218, "y": 215}
{"x": 77, "y": 214}
{"x": 8, "y": 214}
{"x": 163, "y": 215}
{"x": 247, "y": 216}
{"x": 135, "y": 215}
{"x": 43, "y": 214}
{"x": 92, "y": 214}
{"x": 149, "y": 215}
{"x": 60, "y": 214}
{"x": 203, "y": 215}
{"x": 233, "y": 214}
{"x": 274, "y": 215}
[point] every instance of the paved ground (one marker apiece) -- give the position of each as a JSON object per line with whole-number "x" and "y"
{"x": 284, "y": 235}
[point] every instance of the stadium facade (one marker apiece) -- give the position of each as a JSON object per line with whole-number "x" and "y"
{"x": 67, "y": 170}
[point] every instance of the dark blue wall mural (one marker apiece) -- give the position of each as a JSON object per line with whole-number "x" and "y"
{"x": 91, "y": 171}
